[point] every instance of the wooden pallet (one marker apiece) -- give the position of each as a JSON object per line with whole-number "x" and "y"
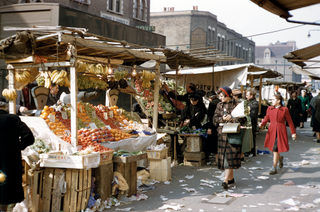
{"x": 196, "y": 159}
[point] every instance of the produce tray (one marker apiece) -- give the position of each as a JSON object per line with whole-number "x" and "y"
{"x": 129, "y": 159}
{"x": 70, "y": 161}
{"x": 157, "y": 154}
{"x": 106, "y": 157}
{"x": 196, "y": 135}
{"x": 142, "y": 107}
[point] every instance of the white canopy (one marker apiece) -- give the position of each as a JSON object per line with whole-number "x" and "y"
{"x": 232, "y": 76}
{"x": 312, "y": 73}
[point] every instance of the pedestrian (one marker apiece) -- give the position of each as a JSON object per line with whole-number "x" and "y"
{"x": 15, "y": 136}
{"x": 236, "y": 94}
{"x": 211, "y": 142}
{"x": 254, "y": 110}
{"x": 52, "y": 97}
{"x": 316, "y": 122}
{"x": 277, "y": 138}
{"x": 295, "y": 108}
{"x": 229, "y": 156}
{"x": 305, "y": 106}
{"x": 312, "y": 105}
{"x": 191, "y": 87}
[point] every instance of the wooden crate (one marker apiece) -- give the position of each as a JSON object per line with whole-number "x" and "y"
{"x": 48, "y": 197}
{"x": 157, "y": 154}
{"x": 160, "y": 170}
{"x": 127, "y": 166}
{"x": 194, "y": 142}
{"x": 104, "y": 178}
{"x": 106, "y": 157}
{"x": 195, "y": 159}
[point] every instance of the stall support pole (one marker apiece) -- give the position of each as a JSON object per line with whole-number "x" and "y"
{"x": 241, "y": 88}
{"x": 212, "y": 81}
{"x": 251, "y": 81}
{"x": 260, "y": 97}
{"x": 74, "y": 99}
{"x": 156, "y": 97}
{"x": 12, "y": 104}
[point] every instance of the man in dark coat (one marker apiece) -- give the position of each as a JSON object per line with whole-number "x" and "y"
{"x": 15, "y": 136}
{"x": 24, "y": 100}
{"x": 254, "y": 110}
{"x": 211, "y": 142}
{"x": 137, "y": 109}
{"x": 194, "y": 113}
{"x": 83, "y": 96}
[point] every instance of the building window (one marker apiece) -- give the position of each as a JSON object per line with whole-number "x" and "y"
{"x": 118, "y": 6}
{"x": 135, "y": 9}
{"x": 257, "y": 61}
{"x": 267, "y": 54}
{"x": 218, "y": 42}
{"x": 222, "y": 44}
{"x": 110, "y": 6}
{"x": 80, "y": 1}
{"x": 142, "y": 9}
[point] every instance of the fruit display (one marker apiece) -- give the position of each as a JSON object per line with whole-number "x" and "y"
{"x": 90, "y": 110}
{"x": 147, "y": 76}
{"x": 10, "y": 94}
{"x": 24, "y": 77}
{"x": 41, "y": 81}
{"x": 82, "y": 66}
{"x": 97, "y": 69}
{"x": 85, "y": 82}
{"x": 118, "y": 75}
{"x": 100, "y": 111}
{"x": 56, "y": 126}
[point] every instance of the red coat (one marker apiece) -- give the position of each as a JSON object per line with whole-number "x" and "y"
{"x": 277, "y": 127}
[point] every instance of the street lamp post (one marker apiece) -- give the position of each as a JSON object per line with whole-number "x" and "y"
{"x": 309, "y": 35}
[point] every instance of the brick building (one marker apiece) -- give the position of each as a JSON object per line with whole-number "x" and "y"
{"x": 194, "y": 29}
{"x": 271, "y": 56}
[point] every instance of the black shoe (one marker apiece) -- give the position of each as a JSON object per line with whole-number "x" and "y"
{"x": 302, "y": 127}
{"x": 242, "y": 159}
{"x": 225, "y": 185}
{"x": 231, "y": 181}
{"x": 318, "y": 141}
{"x": 281, "y": 162}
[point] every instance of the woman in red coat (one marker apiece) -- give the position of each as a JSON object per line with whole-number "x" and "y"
{"x": 277, "y": 138}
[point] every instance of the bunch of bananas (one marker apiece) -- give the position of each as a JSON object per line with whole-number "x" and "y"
{"x": 10, "y": 94}
{"x": 41, "y": 80}
{"x": 47, "y": 83}
{"x": 60, "y": 77}
{"x": 97, "y": 69}
{"x": 23, "y": 77}
{"x": 82, "y": 66}
{"x": 147, "y": 76}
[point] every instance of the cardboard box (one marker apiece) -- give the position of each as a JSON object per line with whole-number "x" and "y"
{"x": 160, "y": 170}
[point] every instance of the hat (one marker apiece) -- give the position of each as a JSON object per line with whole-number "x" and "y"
{"x": 194, "y": 96}
{"x": 211, "y": 94}
{"x": 236, "y": 92}
{"x": 226, "y": 90}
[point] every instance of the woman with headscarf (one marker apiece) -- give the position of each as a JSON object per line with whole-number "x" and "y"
{"x": 277, "y": 137}
{"x": 305, "y": 106}
{"x": 229, "y": 156}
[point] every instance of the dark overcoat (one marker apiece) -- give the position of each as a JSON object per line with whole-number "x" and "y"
{"x": 277, "y": 128}
{"x": 233, "y": 153}
{"x": 295, "y": 109}
{"x": 15, "y": 136}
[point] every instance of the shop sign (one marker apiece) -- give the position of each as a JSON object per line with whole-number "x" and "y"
{"x": 147, "y": 28}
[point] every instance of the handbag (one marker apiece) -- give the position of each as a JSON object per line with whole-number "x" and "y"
{"x": 231, "y": 128}
{"x": 236, "y": 138}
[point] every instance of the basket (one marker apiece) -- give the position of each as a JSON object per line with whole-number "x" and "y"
{"x": 157, "y": 154}
{"x": 168, "y": 116}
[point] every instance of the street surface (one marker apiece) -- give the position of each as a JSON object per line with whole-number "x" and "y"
{"x": 260, "y": 194}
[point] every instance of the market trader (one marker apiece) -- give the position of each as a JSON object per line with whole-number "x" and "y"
{"x": 52, "y": 97}
{"x": 15, "y": 136}
{"x": 83, "y": 96}
{"x": 190, "y": 89}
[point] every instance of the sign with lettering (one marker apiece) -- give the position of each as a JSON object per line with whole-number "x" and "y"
{"x": 147, "y": 28}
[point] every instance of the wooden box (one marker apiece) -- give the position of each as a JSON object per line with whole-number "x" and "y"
{"x": 195, "y": 159}
{"x": 160, "y": 170}
{"x": 106, "y": 157}
{"x": 46, "y": 193}
{"x": 104, "y": 178}
{"x": 157, "y": 154}
{"x": 127, "y": 166}
{"x": 194, "y": 143}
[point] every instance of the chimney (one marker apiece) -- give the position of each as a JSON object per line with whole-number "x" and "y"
{"x": 164, "y": 9}
{"x": 195, "y": 7}
{"x": 172, "y": 9}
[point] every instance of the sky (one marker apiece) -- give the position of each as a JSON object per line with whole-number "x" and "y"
{"x": 247, "y": 18}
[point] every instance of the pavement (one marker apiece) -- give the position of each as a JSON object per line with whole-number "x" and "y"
{"x": 255, "y": 188}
